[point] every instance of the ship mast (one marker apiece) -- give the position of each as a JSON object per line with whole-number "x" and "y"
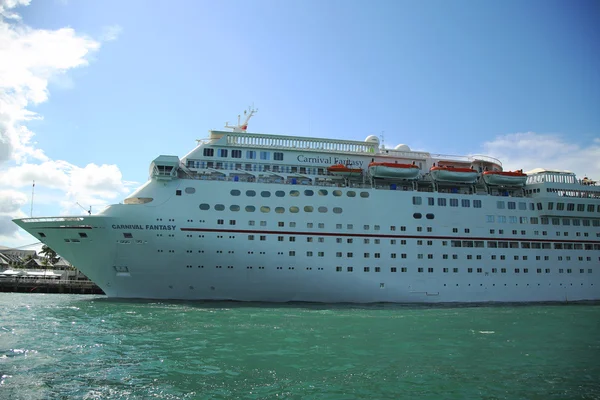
{"x": 241, "y": 127}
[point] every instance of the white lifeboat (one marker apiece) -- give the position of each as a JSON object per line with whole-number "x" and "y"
{"x": 453, "y": 174}
{"x": 505, "y": 178}
{"x": 393, "y": 170}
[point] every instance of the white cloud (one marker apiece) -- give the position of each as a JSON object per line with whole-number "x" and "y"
{"x": 39, "y": 57}
{"x": 551, "y": 151}
{"x": 110, "y": 33}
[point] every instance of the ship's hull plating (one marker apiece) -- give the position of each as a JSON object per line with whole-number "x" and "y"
{"x": 375, "y": 250}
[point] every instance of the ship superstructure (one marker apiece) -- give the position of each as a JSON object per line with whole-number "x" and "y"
{"x": 255, "y": 217}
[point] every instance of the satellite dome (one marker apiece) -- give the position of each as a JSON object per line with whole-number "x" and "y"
{"x": 402, "y": 147}
{"x": 372, "y": 139}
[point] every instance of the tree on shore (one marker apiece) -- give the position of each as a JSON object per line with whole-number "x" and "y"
{"x": 50, "y": 256}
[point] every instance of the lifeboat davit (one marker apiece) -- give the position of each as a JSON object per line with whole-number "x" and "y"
{"x": 343, "y": 170}
{"x": 454, "y": 174}
{"x": 505, "y": 178}
{"x": 393, "y": 170}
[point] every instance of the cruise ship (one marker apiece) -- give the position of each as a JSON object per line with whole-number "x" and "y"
{"x": 260, "y": 217}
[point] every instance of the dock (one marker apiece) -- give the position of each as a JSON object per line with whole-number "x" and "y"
{"x": 17, "y": 285}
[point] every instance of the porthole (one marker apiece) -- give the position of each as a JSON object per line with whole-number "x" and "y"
{"x": 190, "y": 190}
{"x": 204, "y": 206}
{"x": 265, "y": 193}
{"x": 322, "y": 209}
{"x": 250, "y": 193}
{"x": 417, "y": 215}
{"x": 429, "y": 216}
{"x": 364, "y": 194}
{"x": 235, "y": 192}
{"x": 323, "y": 192}
{"x": 279, "y": 210}
{"x": 294, "y": 209}
{"x": 250, "y": 208}
{"x": 234, "y": 207}
{"x": 337, "y": 210}
{"x": 294, "y": 193}
{"x": 308, "y": 208}
{"x": 219, "y": 207}
{"x": 280, "y": 193}
{"x": 337, "y": 193}
{"x": 308, "y": 192}
{"x": 265, "y": 209}
{"x": 351, "y": 193}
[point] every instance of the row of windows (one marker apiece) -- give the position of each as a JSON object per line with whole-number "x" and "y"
{"x": 511, "y": 219}
{"x": 296, "y": 193}
{"x": 267, "y": 209}
{"x": 235, "y": 153}
{"x": 442, "y": 202}
{"x": 469, "y": 270}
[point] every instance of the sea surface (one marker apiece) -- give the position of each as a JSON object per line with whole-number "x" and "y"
{"x": 89, "y": 347}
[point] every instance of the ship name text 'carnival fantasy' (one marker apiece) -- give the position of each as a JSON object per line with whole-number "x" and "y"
{"x": 255, "y": 217}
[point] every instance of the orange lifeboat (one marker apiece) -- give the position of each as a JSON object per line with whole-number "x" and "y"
{"x": 505, "y": 178}
{"x": 393, "y": 170}
{"x": 453, "y": 174}
{"x": 343, "y": 170}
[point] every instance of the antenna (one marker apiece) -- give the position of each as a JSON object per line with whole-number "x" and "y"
{"x": 242, "y": 126}
{"x": 32, "y": 193}
{"x": 382, "y": 146}
{"x": 83, "y": 208}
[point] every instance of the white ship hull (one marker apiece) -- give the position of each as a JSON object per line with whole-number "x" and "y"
{"x": 177, "y": 251}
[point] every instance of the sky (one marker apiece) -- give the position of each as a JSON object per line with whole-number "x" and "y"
{"x": 92, "y": 92}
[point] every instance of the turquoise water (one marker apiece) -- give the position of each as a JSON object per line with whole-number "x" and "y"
{"x": 88, "y": 347}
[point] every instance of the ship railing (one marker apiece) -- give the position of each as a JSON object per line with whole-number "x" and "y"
{"x": 467, "y": 159}
{"x": 242, "y": 139}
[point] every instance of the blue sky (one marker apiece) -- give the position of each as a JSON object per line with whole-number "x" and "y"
{"x": 517, "y": 80}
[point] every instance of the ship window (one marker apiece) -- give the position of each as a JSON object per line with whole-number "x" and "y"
{"x": 204, "y": 206}
{"x": 279, "y": 210}
{"x": 430, "y": 201}
{"x": 453, "y": 202}
{"x": 308, "y": 192}
{"x": 190, "y": 190}
{"x": 265, "y": 193}
{"x": 250, "y": 208}
{"x": 265, "y": 209}
{"x": 570, "y": 207}
{"x": 393, "y": 269}
{"x": 209, "y": 152}
{"x": 442, "y": 202}
{"x": 322, "y": 192}
{"x": 337, "y": 193}
{"x": 416, "y": 200}
{"x": 234, "y": 207}
{"x": 236, "y": 153}
{"x": 222, "y": 152}
{"x": 417, "y": 215}
{"x": 219, "y": 207}
{"x": 178, "y": 193}
{"x": 278, "y": 156}
{"x": 590, "y": 208}
{"x": 280, "y": 193}
{"x": 250, "y": 193}
{"x": 294, "y": 209}
{"x": 477, "y": 203}
{"x": 251, "y": 154}
{"x": 308, "y": 208}
{"x": 466, "y": 202}
{"x": 42, "y": 234}
{"x": 235, "y": 192}
{"x": 337, "y": 210}
{"x": 265, "y": 155}
{"x": 512, "y": 205}
{"x": 364, "y": 194}
{"x": 294, "y": 193}
{"x": 429, "y": 216}
{"x": 322, "y": 209}
{"x": 500, "y": 205}
{"x": 351, "y": 193}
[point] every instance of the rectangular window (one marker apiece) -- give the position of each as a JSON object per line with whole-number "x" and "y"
{"x": 500, "y": 205}
{"x": 453, "y": 202}
{"x": 466, "y": 203}
{"x": 477, "y": 203}
{"x": 209, "y": 152}
{"x": 278, "y": 156}
{"x": 441, "y": 202}
{"x": 416, "y": 200}
{"x": 236, "y": 154}
{"x": 265, "y": 155}
{"x": 512, "y": 205}
{"x": 222, "y": 152}
{"x": 251, "y": 154}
